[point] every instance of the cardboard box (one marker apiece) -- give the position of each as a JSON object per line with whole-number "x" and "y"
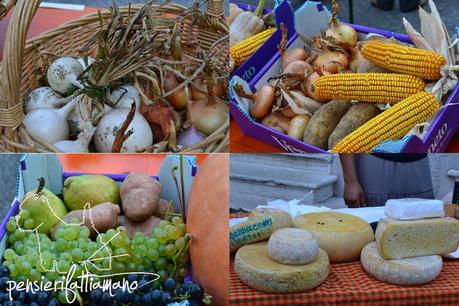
{"x": 310, "y": 19}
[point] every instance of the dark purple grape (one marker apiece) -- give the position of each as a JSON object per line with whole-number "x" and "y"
{"x": 144, "y": 286}
{"x": 95, "y": 295}
{"x": 170, "y": 284}
{"x": 53, "y": 302}
{"x": 4, "y": 271}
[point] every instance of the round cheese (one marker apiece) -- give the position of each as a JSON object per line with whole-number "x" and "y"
{"x": 293, "y": 246}
{"x": 256, "y": 269}
{"x": 407, "y": 271}
{"x": 342, "y": 236}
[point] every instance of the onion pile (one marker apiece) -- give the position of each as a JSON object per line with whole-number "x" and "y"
{"x": 288, "y": 101}
{"x": 143, "y": 103}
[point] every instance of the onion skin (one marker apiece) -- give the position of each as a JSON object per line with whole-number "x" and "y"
{"x": 179, "y": 98}
{"x": 298, "y": 68}
{"x": 209, "y": 114}
{"x": 297, "y": 126}
{"x": 42, "y": 97}
{"x": 63, "y": 73}
{"x": 297, "y": 54}
{"x": 343, "y": 33}
{"x": 288, "y": 112}
{"x": 277, "y": 121}
{"x": 309, "y": 85}
{"x": 355, "y": 59}
{"x": 197, "y": 94}
{"x": 332, "y": 61}
{"x": 262, "y": 101}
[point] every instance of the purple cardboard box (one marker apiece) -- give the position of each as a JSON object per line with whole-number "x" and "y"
{"x": 256, "y": 62}
{"x": 436, "y": 139}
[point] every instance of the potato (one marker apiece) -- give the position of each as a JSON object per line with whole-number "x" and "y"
{"x": 163, "y": 208}
{"x": 145, "y": 227}
{"x": 277, "y": 121}
{"x": 323, "y": 122}
{"x": 139, "y": 180}
{"x": 99, "y": 218}
{"x": 297, "y": 126}
{"x": 140, "y": 203}
{"x": 357, "y": 115}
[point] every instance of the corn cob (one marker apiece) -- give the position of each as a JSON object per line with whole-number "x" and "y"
{"x": 244, "y": 49}
{"x": 367, "y": 87}
{"x": 392, "y": 124}
{"x": 404, "y": 59}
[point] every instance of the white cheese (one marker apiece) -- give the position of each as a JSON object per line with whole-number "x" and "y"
{"x": 401, "y": 239}
{"x": 342, "y": 236}
{"x": 412, "y": 209}
{"x": 407, "y": 271}
{"x": 293, "y": 246}
{"x": 256, "y": 269}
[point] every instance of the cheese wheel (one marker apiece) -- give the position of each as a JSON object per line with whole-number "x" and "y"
{"x": 407, "y": 271}
{"x": 342, "y": 236}
{"x": 293, "y": 246}
{"x": 413, "y": 209}
{"x": 256, "y": 269}
{"x": 260, "y": 226}
{"x": 400, "y": 239}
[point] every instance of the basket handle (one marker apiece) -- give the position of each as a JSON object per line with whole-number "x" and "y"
{"x": 5, "y": 6}
{"x": 215, "y": 11}
{"x": 11, "y": 112}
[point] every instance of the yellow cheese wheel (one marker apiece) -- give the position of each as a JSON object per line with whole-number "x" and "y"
{"x": 256, "y": 269}
{"x": 342, "y": 236}
{"x": 401, "y": 239}
{"x": 407, "y": 271}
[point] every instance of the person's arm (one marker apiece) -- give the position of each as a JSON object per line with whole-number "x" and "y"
{"x": 353, "y": 192}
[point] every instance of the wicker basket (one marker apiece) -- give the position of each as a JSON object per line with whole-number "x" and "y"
{"x": 18, "y": 75}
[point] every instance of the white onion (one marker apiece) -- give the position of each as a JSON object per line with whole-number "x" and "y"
{"x": 63, "y": 74}
{"x": 122, "y": 97}
{"x": 42, "y": 97}
{"x": 49, "y": 124}
{"x": 81, "y": 144}
{"x": 104, "y": 137}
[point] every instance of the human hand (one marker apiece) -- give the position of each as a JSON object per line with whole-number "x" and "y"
{"x": 354, "y": 195}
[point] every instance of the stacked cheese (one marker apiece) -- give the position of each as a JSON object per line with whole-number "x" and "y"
{"x": 409, "y": 241}
{"x": 290, "y": 262}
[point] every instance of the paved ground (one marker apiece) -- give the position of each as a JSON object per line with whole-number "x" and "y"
{"x": 8, "y": 168}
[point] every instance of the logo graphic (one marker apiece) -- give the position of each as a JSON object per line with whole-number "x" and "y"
{"x": 85, "y": 282}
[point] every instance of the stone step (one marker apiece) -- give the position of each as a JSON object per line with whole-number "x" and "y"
{"x": 249, "y": 190}
{"x": 309, "y": 162}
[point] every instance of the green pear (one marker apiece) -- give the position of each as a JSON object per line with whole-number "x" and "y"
{"x": 92, "y": 189}
{"x": 43, "y": 207}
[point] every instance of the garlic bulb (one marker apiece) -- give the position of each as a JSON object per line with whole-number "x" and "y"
{"x": 81, "y": 144}
{"x": 63, "y": 74}
{"x": 122, "y": 97}
{"x": 110, "y": 123}
{"x": 74, "y": 123}
{"x": 42, "y": 97}
{"x": 49, "y": 124}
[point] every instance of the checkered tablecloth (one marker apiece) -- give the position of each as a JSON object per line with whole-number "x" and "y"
{"x": 349, "y": 284}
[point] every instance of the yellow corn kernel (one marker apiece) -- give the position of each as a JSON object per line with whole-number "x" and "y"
{"x": 391, "y": 124}
{"x": 244, "y": 49}
{"x": 404, "y": 59}
{"x": 368, "y": 87}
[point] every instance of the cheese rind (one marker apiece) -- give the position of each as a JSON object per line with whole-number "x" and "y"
{"x": 256, "y": 269}
{"x": 341, "y": 235}
{"x": 401, "y": 239}
{"x": 407, "y": 271}
{"x": 293, "y": 246}
{"x": 413, "y": 209}
{"x": 260, "y": 226}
